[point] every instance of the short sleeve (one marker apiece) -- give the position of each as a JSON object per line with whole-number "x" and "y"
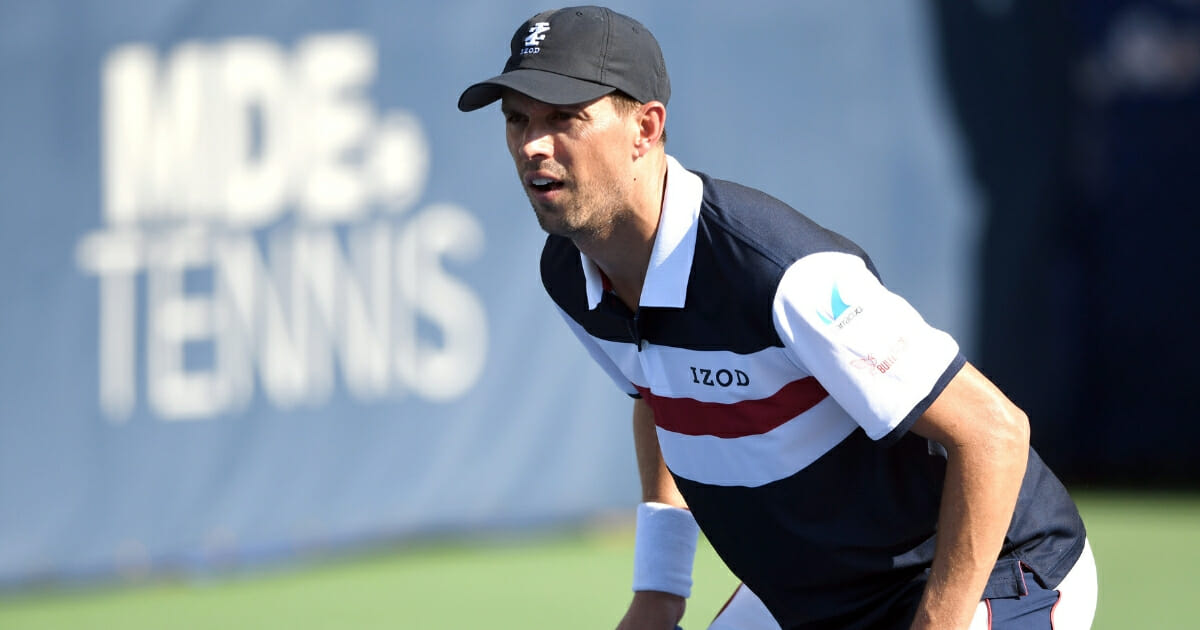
{"x": 867, "y": 346}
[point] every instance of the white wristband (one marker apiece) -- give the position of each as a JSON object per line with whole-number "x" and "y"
{"x": 664, "y": 549}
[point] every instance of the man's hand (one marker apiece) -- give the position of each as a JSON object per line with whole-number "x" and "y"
{"x": 653, "y": 610}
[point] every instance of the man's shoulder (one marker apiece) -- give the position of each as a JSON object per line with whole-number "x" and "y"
{"x": 561, "y": 267}
{"x": 749, "y": 219}
{"x": 558, "y": 249}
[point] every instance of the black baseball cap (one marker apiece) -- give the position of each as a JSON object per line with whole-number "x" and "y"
{"x": 574, "y": 55}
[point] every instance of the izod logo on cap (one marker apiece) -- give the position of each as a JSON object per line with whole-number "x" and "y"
{"x": 537, "y": 33}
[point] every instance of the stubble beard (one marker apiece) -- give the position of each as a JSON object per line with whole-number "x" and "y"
{"x": 583, "y": 217}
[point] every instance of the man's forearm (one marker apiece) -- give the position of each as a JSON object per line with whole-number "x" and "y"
{"x": 977, "y": 506}
{"x": 657, "y": 484}
{"x": 986, "y": 438}
{"x": 652, "y": 608}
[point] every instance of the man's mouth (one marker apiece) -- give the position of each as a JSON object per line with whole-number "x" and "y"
{"x": 544, "y": 184}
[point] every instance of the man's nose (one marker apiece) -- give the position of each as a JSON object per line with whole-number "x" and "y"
{"x": 537, "y": 145}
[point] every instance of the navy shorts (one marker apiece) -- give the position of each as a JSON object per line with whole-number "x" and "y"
{"x": 1014, "y": 600}
{"x": 1028, "y": 608}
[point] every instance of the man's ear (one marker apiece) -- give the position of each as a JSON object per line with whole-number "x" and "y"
{"x": 652, "y": 121}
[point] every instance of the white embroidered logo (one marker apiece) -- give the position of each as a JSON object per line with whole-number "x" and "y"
{"x": 537, "y": 33}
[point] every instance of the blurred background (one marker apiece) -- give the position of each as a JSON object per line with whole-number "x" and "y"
{"x": 270, "y": 300}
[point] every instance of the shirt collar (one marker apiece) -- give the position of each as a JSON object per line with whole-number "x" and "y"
{"x": 674, "y": 245}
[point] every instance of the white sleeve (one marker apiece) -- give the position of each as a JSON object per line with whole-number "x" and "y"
{"x": 868, "y": 347}
{"x": 599, "y": 356}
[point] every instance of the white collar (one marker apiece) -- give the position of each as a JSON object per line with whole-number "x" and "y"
{"x": 674, "y": 245}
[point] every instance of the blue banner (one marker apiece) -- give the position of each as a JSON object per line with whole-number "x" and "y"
{"x": 265, "y": 289}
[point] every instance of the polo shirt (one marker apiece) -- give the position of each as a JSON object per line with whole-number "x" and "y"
{"x": 784, "y": 377}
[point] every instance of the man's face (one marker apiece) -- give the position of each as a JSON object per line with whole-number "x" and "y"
{"x": 574, "y": 161}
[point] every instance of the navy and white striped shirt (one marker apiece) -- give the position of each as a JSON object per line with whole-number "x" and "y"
{"x": 784, "y": 378}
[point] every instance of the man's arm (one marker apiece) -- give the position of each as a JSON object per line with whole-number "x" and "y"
{"x": 986, "y": 438}
{"x": 652, "y": 610}
{"x": 658, "y": 485}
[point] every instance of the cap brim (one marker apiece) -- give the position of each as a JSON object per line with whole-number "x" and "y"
{"x": 540, "y": 85}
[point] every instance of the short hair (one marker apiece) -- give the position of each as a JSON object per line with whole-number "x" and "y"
{"x": 626, "y": 105}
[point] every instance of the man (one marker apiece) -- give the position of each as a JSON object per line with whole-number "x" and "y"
{"x": 814, "y": 426}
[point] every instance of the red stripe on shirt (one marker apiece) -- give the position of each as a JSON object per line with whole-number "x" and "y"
{"x": 729, "y": 420}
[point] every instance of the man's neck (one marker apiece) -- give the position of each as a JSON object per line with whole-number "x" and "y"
{"x": 624, "y": 254}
